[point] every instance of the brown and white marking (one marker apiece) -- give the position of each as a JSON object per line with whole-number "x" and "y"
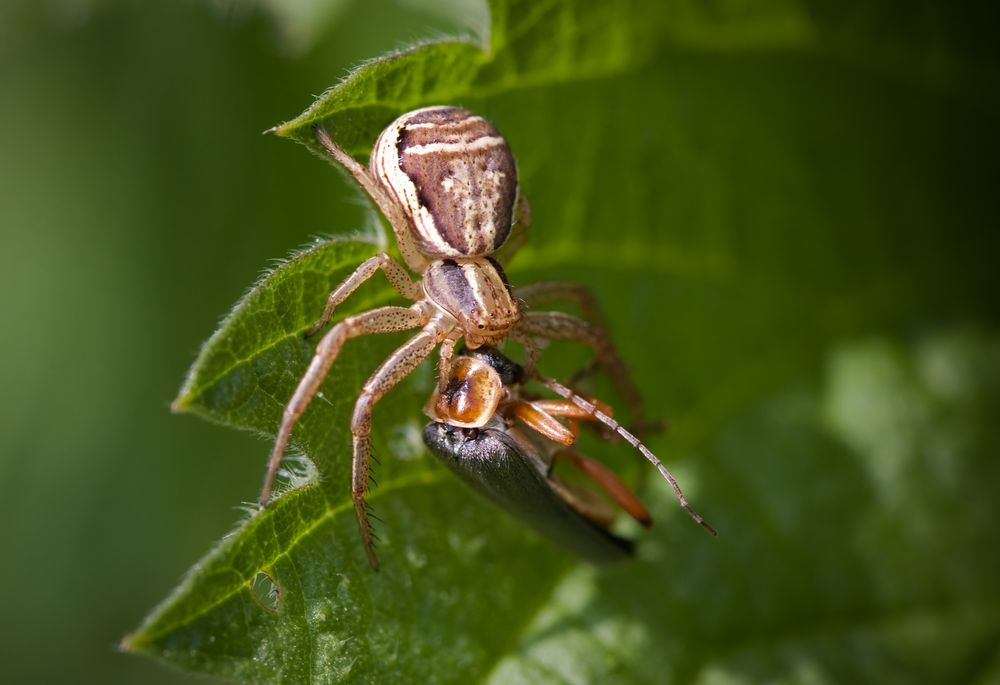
{"x": 454, "y": 175}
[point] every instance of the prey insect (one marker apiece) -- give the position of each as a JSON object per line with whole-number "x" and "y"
{"x": 477, "y": 434}
{"x": 446, "y": 181}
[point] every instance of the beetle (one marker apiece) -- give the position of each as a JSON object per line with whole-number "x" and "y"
{"x": 515, "y": 473}
{"x": 477, "y": 434}
{"x": 446, "y": 181}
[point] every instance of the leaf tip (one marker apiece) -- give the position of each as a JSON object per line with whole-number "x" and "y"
{"x": 131, "y": 643}
{"x": 280, "y": 130}
{"x": 181, "y": 404}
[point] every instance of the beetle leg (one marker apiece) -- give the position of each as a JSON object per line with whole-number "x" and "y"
{"x": 381, "y": 320}
{"x": 394, "y": 369}
{"x": 539, "y": 415}
{"x": 584, "y": 501}
{"x": 569, "y": 410}
{"x": 396, "y": 274}
{"x": 610, "y": 483}
{"x": 573, "y": 414}
{"x": 391, "y": 209}
{"x": 540, "y": 421}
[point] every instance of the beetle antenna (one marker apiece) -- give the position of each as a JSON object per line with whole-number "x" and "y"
{"x": 567, "y": 394}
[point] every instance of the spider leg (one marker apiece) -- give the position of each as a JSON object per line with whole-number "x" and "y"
{"x": 554, "y": 291}
{"x": 396, "y": 274}
{"x": 606, "y": 479}
{"x": 390, "y": 209}
{"x": 394, "y": 369}
{"x": 381, "y": 320}
{"x": 553, "y": 325}
{"x": 531, "y": 350}
{"x": 444, "y": 362}
{"x": 545, "y": 292}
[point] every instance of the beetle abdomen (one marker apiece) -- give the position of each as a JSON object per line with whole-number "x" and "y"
{"x": 455, "y": 177}
{"x": 492, "y": 463}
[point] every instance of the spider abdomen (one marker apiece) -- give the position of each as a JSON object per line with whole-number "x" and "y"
{"x": 455, "y": 178}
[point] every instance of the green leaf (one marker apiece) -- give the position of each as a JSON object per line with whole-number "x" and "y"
{"x": 530, "y": 45}
{"x": 796, "y": 256}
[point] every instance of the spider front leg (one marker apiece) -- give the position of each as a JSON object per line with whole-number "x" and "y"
{"x": 396, "y": 274}
{"x": 390, "y": 209}
{"x": 444, "y": 362}
{"x": 398, "y": 366}
{"x": 381, "y": 320}
{"x": 562, "y": 326}
{"x": 554, "y": 291}
{"x": 545, "y": 292}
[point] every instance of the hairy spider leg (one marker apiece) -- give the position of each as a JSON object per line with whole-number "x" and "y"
{"x": 381, "y": 320}
{"x": 394, "y": 272}
{"x": 395, "y": 368}
{"x": 556, "y": 325}
{"x": 444, "y": 362}
{"x": 391, "y": 210}
{"x": 546, "y": 292}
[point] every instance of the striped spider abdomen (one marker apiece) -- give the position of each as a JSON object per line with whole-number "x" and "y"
{"x": 454, "y": 176}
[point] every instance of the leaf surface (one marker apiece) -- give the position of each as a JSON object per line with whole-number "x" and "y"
{"x": 793, "y": 256}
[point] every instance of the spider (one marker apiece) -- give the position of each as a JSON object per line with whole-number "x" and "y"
{"x": 476, "y": 434}
{"x": 446, "y": 181}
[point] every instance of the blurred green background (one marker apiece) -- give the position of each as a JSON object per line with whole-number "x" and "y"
{"x": 138, "y": 200}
